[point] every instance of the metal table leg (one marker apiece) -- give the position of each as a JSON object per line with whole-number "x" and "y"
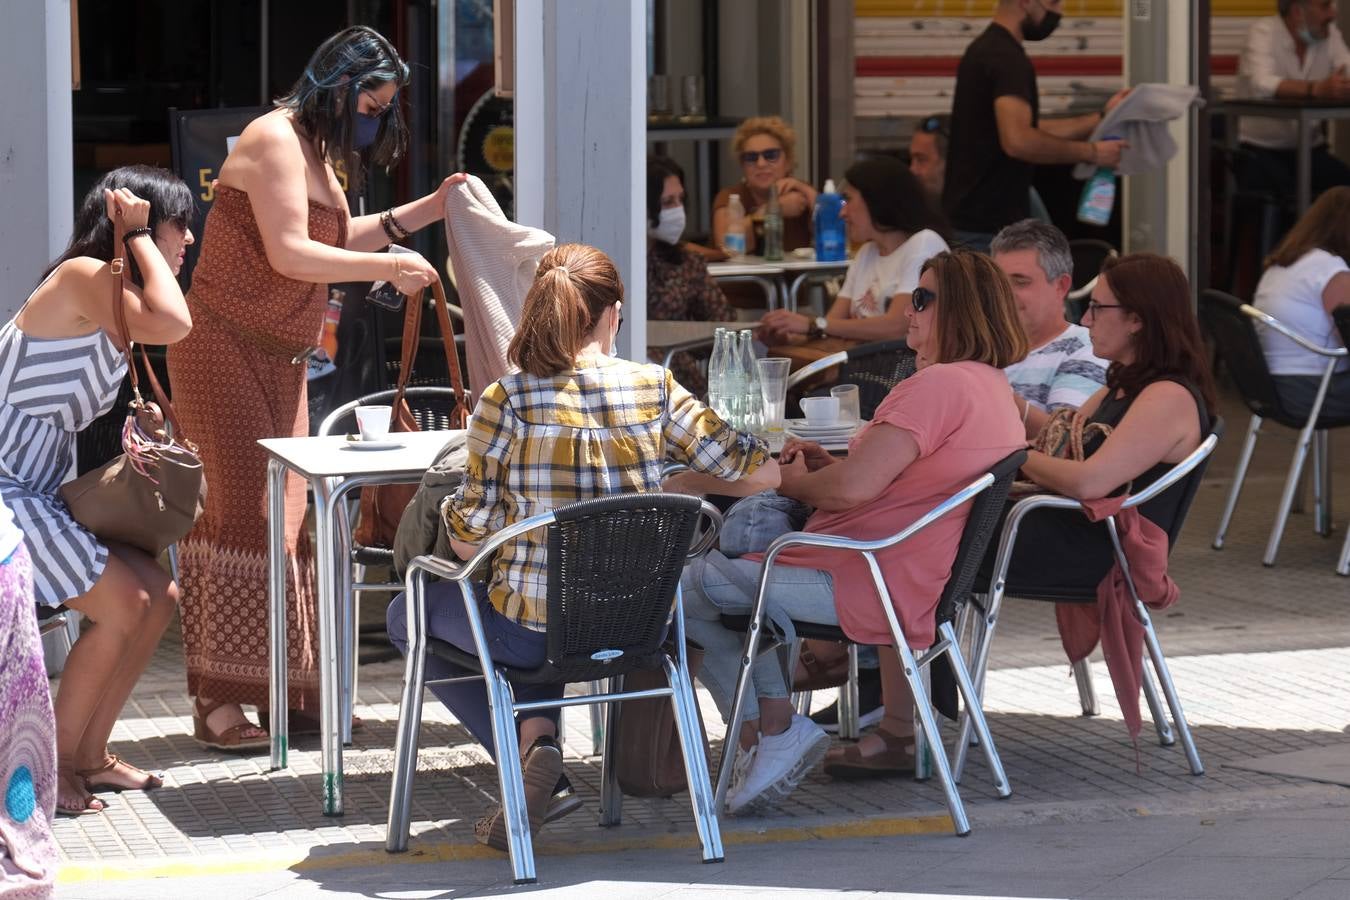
{"x": 276, "y": 598}
{"x": 330, "y": 698}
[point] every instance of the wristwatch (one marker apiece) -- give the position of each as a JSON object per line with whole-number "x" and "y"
{"x": 818, "y": 327}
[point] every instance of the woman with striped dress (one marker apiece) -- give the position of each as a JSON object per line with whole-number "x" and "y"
{"x": 60, "y": 368}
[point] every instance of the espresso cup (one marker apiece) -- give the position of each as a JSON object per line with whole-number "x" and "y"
{"x": 820, "y": 411}
{"x": 373, "y": 422}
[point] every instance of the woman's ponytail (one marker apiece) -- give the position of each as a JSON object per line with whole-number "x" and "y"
{"x": 573, "y": 288}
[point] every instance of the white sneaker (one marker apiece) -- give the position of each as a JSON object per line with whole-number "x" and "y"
{"x": 780, "y": 763}
{"x": 745, "y": 760}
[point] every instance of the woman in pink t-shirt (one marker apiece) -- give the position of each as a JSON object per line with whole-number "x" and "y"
{"x": 936, "y": 432}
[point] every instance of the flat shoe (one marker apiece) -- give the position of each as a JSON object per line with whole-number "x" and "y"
{"x": 540, "y": 772}
{"x": 152, "y": 780}
{"x": 848, "y": 762}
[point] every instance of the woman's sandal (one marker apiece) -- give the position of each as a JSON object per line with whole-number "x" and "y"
{"x": 847, "y": 761}
{"x": 92, "y": 805}
{"x": 541, "y": 770}
{"x": 240, "y": 736}
{"x": 111, "y": 762}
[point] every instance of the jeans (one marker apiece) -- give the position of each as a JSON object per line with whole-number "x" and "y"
{"x": 1297, "y": 393}
{"x": 713, "y": 585}
{"x": 510, "y": 643}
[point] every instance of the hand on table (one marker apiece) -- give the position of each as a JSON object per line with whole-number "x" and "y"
{"x": 778, "y": 324}
{"x": 1335, "y": 86}
{"x": 795, "y": 197}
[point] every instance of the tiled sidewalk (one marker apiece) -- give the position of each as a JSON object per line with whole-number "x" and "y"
{"x": 1259, "y": 656}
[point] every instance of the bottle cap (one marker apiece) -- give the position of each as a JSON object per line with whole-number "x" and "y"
{"x": 829, "y": 186}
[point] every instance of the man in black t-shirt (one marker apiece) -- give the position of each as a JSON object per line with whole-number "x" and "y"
{"x": 996, "y": 131}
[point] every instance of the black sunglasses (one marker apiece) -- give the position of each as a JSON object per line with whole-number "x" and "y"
{"x": 933, "y": 125}
{"x": 920, "y": 297}
{"x": 750, "y": 157}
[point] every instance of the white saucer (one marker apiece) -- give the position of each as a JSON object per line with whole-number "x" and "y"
{"x": 801, "y": 426}
{"x": 373, "y": 445}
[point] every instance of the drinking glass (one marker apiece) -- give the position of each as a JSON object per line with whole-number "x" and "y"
{"x": 692, "y": 108}
{"x": 658, "y": 98}
{"x": 773, "y": 379}
{"x": 848, "y": 402}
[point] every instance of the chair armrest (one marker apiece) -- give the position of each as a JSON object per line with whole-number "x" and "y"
{"x": 1272, "y": 322}
{"x": 1085, "y": 290}
{"x": 453, "y": 572}
{"x": 820, "y": 365}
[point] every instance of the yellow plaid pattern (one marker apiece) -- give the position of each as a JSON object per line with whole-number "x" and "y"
{"x": 537, "y": 444}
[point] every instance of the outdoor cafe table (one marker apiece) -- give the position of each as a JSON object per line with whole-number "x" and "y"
{"x": 1305, "y": 113}
{"x": 781, "y": 280}
{"x": 333, "y": 472}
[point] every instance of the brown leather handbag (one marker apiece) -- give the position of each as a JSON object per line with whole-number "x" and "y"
{"x": 648, "y": 759}
{"x": 383, "y": 506}
{"x": 151, "y": 495}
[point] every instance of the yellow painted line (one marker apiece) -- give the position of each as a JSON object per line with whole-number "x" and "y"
{"x": 303, "y": 859}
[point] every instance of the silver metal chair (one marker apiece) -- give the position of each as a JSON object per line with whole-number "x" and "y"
{"x": 614, "y": 569}
{"x": 928, "y": 740}
{"x": 1232, "y": 324}
{"x": 982, "y": 618}
{"x": 1089, "y": 254}
{"x": 431, "y": 407}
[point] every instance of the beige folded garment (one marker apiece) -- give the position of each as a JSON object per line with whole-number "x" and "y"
{"x": 493, "y": 261}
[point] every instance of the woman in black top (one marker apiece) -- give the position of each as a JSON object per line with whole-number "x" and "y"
{"x": 1159, "y": 401}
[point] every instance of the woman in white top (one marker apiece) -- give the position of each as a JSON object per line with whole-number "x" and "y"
{"x": 1306, "y": 278}
{"x": 888, "y": 213}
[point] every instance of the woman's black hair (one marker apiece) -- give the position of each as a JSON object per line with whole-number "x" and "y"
{"x": 659, "y": 168}
{"x": 324, "y": 103}
{"x": 170, "y": 201}
{"x": 895, "y": 199}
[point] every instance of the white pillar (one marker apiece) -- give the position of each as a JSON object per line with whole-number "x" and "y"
{"x": 581, "y": 135}
{"x": 36, "y": 161}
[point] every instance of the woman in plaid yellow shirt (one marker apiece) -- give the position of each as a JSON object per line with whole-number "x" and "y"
{"x": 575, "y": 423}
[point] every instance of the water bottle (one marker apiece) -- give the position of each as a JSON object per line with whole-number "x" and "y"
{"x": 717, "y": 372}
{"x": 773, "y": 227}
{"x": 733, "y": 383}
{"x": 1098, "y": 197}
{"x": 321, "y": 362}
{"x": 831, "y": 241}
{"x": 754, "y": 398}
{"x": 733, "y": 242}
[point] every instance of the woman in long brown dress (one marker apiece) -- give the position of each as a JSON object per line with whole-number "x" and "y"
{"x": 279, "y": 231}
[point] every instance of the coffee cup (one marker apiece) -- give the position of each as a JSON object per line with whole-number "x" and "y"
{"x": 820, "y": 411}
{"x": 373, "y": 422}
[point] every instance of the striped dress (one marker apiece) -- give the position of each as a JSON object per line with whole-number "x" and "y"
{"x": 51, "y": 388}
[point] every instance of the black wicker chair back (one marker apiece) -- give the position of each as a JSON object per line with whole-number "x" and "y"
{"x": 1088, "y": 255}
{"x": 986, "y": 510}
{"x": 431, "y": 408}
{"x": 429, "y": 370}
{"x": 876, "y": 368}
{"x": 1234, "y": 335}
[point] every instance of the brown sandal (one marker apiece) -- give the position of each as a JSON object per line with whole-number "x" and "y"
{"x": 112, "y": 761}
{"x": 92, "y": 805}
{"x": 847, "y": 761}
{"x": 240, "y": 736}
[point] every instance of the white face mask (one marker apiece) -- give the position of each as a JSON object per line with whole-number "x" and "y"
{"x": 669, "y": 226}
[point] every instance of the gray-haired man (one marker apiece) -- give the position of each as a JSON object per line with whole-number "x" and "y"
{"x": 1061, "y": 370}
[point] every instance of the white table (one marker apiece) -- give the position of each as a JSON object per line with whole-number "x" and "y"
{"x": 1305, "y": 113}
{"x": 679, "y": 335}
{"x": 333, "y": 471}
{"x": 753, "y": 271}
{"x": 797, "y": 272}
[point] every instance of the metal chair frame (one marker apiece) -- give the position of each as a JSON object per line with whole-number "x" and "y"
{"x": 504, "y": 708}
{"x": 926, "y": 728}
{"x": 983, "y": 626}
{"x": 349, "y": 631}
{"x": 1309, "y": 436}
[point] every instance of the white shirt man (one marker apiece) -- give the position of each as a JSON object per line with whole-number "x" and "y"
{"x": 1061, "y": 370}
{"x": 1297, "y": 55}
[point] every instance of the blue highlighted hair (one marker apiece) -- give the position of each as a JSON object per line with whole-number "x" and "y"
{"x": 323, "y": 100}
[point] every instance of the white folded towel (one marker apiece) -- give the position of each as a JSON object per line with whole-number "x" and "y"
{"x": 1141, "y": 120}
{"x": 493, "y": 262}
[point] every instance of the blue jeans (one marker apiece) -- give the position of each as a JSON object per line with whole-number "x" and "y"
{"x": 713, "y": 585}
{"x": 510, "y": 643}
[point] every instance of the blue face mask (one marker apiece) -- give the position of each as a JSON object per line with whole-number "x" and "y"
{"x": 367, "y": 128}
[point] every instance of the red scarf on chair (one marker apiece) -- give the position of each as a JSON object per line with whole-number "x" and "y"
{"x": 1112, "y": 620}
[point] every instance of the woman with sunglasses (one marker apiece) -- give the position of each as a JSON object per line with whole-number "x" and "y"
{"x": 934, "y": 433}
{"x": 899, "y": 230}
{"x": 764, "y": 147}
{"x": 278, "y": 232}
